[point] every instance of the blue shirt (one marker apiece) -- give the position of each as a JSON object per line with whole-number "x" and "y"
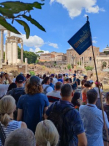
{"x": 33, "y": 108}
{"x": 60, "y": 80}
{"x": 51, "y": 84}
{"x": 93, "y": 123}
{"x": 73, "y": 122}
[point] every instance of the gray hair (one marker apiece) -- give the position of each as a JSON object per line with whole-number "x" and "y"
{"x": 46, "y": 134}
{"x": 21, "y": 137}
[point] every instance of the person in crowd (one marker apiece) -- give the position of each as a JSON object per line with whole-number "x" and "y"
{"x": 93, "y": 120}
{"x": 51, "y": 83}
{"x": 7, "y": 107}
{"x": 75, "y": 98}
{"x": 17, "y": 92}
{"x": 14, "y": 79}
{"x": 106, "y": 109}
{"x": 33, "y": 104}
{"x": 46, "y": 87}
{"x": 67, "y": 120}
{"x": 60, "y": 78}
{"x": 4, "y": 87}
{"x": 55, "y": 95}
{"x": 12, "y": 86}
{"x": 97, "y": 87}
{"x": 21, "y": 137}
{"x": 67, "y": 81}
{"x": 70, "y": 80}
{"x": 46, "y": 134}
{"x": 91, "y": 82}
{"x": 75, "y": 83}
{"x": 83, "y": 81}
{"x": 87, "y": 86}
{"x": 28, "y": 76}
{"x": 54, "y": 79}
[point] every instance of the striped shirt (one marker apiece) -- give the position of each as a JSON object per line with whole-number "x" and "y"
{"x": 12, "y": 125}
{"x": 53, "y": 96}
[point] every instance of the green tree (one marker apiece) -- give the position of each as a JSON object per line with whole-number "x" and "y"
{"x": 89, "y": 68}
{"x": 32, "y": 73}
{"x": 69, "y": 66}
{"x": 104, "y": 64}
{"x": 18, "y": 11}
{"x": 32, "y": 57}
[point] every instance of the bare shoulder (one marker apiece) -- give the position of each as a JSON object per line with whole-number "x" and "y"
{"x": 23, "y": 125}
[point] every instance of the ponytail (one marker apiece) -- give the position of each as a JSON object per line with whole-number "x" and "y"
{"x": 48, "y": 143}
{"x": 5, "y": 118}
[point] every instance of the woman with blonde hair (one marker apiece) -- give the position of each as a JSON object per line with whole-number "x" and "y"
{"x": 33, "y": 104}
{"x": 7, "y": 124}
{"x": 46, "y": 134}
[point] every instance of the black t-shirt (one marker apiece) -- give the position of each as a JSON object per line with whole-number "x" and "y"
{"x": 16, "y": 93}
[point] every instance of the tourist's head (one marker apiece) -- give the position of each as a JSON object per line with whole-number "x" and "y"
{"x": 20, "y": 79}
{"x": 66, "y": 92}
{"x": 51, "y": 80}
{"x": 33, "y": 86}
{"x": 87, "y": 84}
{"x": 85, "y": 78}
{"x": 7, "y": 107}
{"x": 52, "y": 75}
{"x": 44, "y": 76}
{"x": 92, "y": 96}
{"x": 21, "y": 137}
{"x": 59, "y": 76}
{"x": 74, "y": 75}
{"x": 67, "y": 80}
{"x": 46, "y": 80}
{"x": 97, "y": 84}
{"x": 58, "y": 86}
{"x": 107, "y": 97}
{"x": 12, "y": 86}
{"x": 46, "y": 134}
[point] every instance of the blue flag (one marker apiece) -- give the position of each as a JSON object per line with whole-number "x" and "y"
{"x": 82, "y": 40}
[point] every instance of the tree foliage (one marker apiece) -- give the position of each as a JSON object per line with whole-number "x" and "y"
{"x": 104, "y": 64}
{"x": 32, "y": 57}
{"x": 32, "y": 73}
{"x": 19, "y": 11}
{"x": 69, "y": 66}
{"x": 89, "y": 68}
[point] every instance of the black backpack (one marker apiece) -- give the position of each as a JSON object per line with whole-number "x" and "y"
{"x": 58, "y": 117}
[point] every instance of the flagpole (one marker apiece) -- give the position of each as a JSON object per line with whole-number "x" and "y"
{"x": 99, "y": 88}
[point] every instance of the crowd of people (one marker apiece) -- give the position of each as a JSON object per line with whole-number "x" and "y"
{"x": 49, "y": 110}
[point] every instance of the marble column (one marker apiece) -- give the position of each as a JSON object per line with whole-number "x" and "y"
{"x": 21, "y": 52}
{"x": 6, "y": 52}
{"x": 26, "y": 65}
{"x": 2, "y": 44}
{"x": 8, "y": 33}
{"x": 11, "y": 53}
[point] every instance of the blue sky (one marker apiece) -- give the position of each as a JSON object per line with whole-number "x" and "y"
{"x": 62, "y": 19}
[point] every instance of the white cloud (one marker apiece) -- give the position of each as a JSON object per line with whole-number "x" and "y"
{"x": 94, "y": 41}
{"x": 85, "y": 15}
{"x": 75, "y": 7}
{"x": 38, "y": 49}
{"x": 53, "y": 45}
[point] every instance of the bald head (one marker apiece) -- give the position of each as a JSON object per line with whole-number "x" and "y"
{"x": 21, "y": 137}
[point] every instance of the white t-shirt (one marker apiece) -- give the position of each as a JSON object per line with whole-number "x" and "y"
{"x": 14, "y": 79}
{"x": 55, "y": 80}
{"x": 97, "y": 89}
{"x": 3, "y": 89}
{"x": 49, "y": 89}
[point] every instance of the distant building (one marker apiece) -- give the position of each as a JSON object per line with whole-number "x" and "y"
{"x": 106, "y": 49}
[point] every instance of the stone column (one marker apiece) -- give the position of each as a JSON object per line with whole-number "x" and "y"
{"x": 11, "y": 53}
{"x": 79, "y": 61}
{"x": 6, "y": 52}
{"x": 83, "y": 61}
{"x": 26, "y": 65}
{"x": 2, "y": 44}
{"x": 8, "y": 33}
{"x": 21, "y": 52}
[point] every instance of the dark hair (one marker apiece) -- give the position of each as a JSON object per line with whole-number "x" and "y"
{"x": 87, "y": 84}
{"x": 75, "y": 99}
{"x": 51, "y": 80}
{"x": 58, "y": 85}
{"x": 64, "y": 75}
{"x": 70, "y": 80}
{"x": 66, "y": 90}
{"x": 107, "y": 96}
{"x": 12, "y": 86}
{"x": 59, "y": 76}
{"x": 46, "y": 80}
{"x": 44, "y": 76}
{"x": 85, "y": 77}
{"x": 92, "y": 96}
{"x": 67, "y": 79}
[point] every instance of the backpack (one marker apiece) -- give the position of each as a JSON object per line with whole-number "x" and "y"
{"x": 45, "y": 90}
{"x": 58, "y": 117}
